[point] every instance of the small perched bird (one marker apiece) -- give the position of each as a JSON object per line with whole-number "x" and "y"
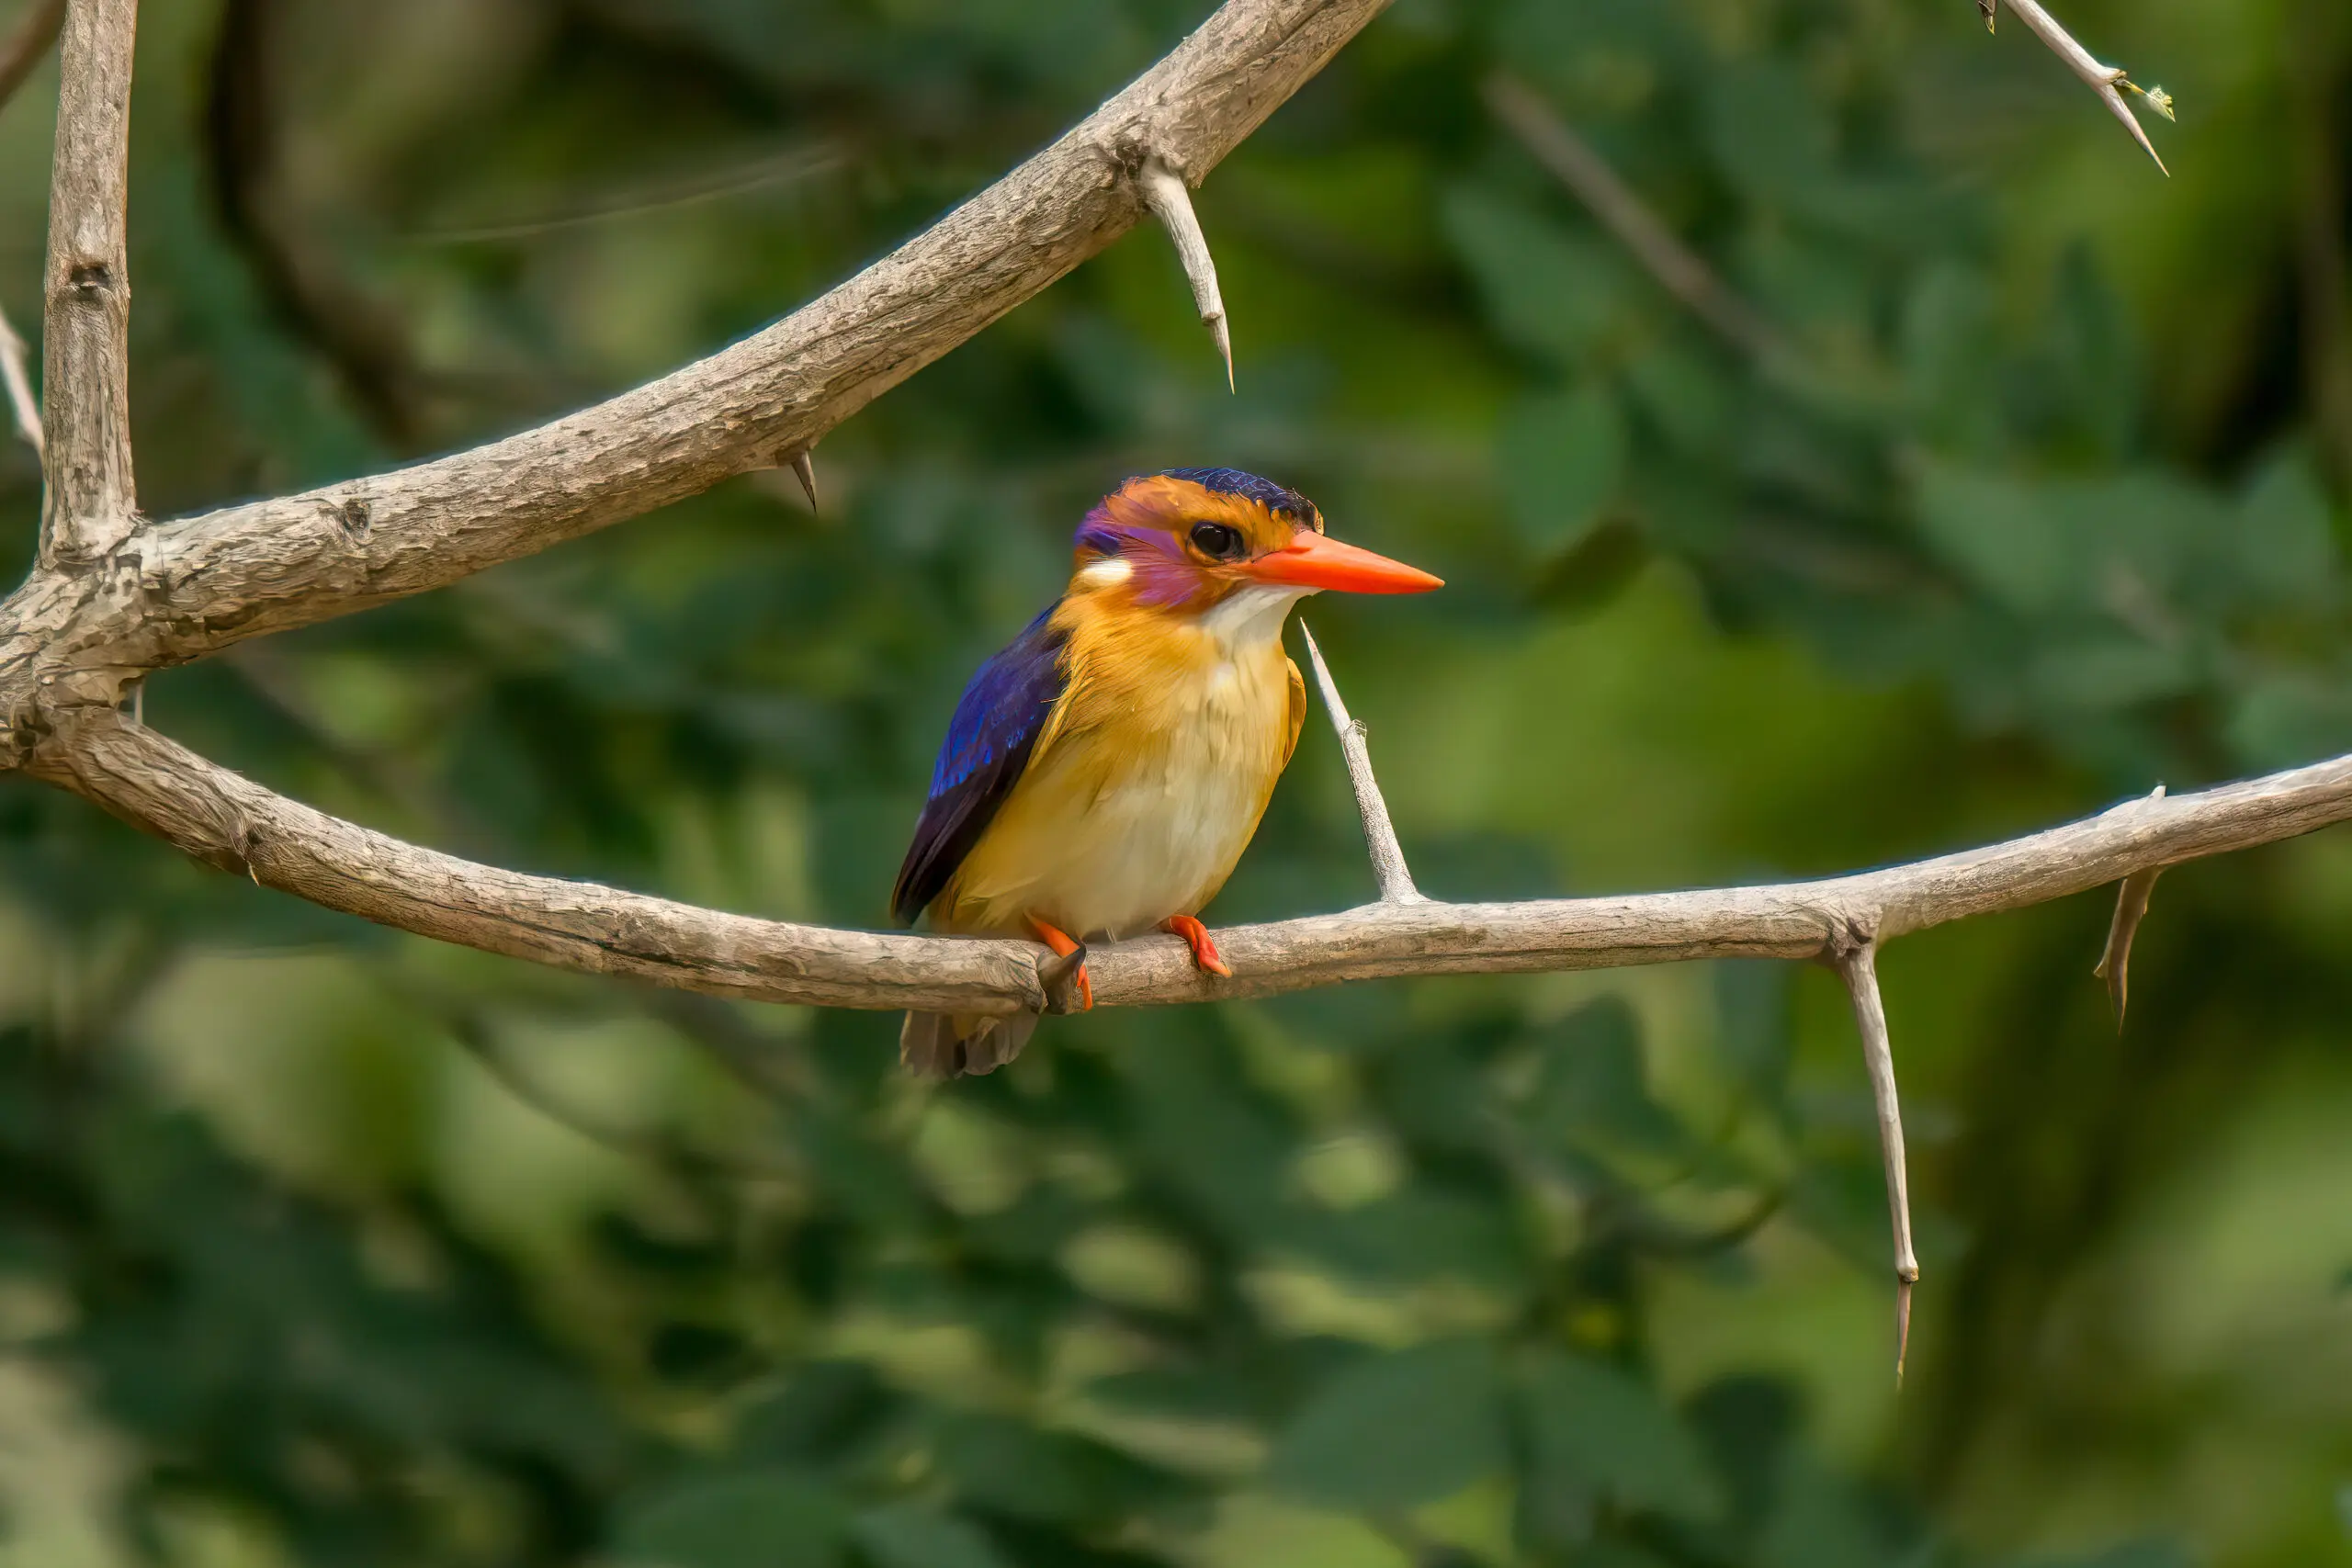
{"x": 1105, "y": 771}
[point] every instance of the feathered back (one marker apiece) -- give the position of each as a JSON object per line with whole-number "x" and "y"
{"x": 987, "y": 747}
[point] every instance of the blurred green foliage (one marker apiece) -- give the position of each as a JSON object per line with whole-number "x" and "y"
{"x": 319, "y": 1246}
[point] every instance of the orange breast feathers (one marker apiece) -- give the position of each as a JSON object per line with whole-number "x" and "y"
{"x": 1150, "y": 777}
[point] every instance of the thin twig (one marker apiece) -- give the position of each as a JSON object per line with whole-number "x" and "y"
{"x": 1171, "y": 201}
{"x": 90, "y": 503}
{"x": 1854, "y": 954}
{"x": 21, "y": 403}
{"x": 1677, "y": 268}
{"x": 1379, "y": 833}
{"x": 2107, "y": 80}
{"x": 28, "y": 42}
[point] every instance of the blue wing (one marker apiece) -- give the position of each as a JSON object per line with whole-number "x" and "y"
{"x": 989, "y": 741}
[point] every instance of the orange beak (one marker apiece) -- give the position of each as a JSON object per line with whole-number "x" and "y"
{"x": 1317, "y": 561}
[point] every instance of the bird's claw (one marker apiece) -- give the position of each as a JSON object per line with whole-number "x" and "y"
{"x": 1196, "y": 937}
{"x": 1069, "y": 987}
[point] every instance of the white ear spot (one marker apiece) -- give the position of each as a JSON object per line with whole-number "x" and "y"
{"x": 1108, "y": 572}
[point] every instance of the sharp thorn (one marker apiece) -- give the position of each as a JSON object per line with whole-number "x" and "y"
{"x": 2122, "y": 111}
{"x": 2115, "y": 960}
{"x": 1902, "y": 1327}
{"x": 1058, "y": 975}
{"x": 1171, "y": 201}
{"x": 803, "y": 468}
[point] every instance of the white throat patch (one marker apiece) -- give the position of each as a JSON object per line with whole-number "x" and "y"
{"x": 1250, "y": 617}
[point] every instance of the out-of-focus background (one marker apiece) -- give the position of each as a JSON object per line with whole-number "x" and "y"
{"x": 323, "y": 1246}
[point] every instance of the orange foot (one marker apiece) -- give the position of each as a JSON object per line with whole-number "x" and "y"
{"x": 1196, "y": 937}
{"x": 1064, "y": 945}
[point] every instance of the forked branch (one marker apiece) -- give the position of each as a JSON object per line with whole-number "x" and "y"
{"x": 2110, "y": 82}
{"x": 204, "y": 584}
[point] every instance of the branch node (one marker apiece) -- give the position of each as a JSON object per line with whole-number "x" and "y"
{"x": 1853, "y": 947}
{"x": 1388, "y": 866}
{"x": 1171, "y": 201}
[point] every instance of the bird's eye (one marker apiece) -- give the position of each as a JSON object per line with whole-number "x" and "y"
{"x": 1216, "y": 541}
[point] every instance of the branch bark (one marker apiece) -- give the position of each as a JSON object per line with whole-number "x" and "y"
{"x": 206, "y": 582}
{"x": 231, "y": 823}
{"x": 91, "y": 504}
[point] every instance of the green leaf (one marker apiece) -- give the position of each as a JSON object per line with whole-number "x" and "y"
{"x": 904, "y": 1536}
{"x": 2283, "y": 547}
{"x": 1591, "y": 1094}
{"x": 1550, "y": 292}
{"x": 757, "y": 1519}
{"x": 1592, "y": 1428}
{"x": 1768, "y": 133}
{"x": 1563, "y": 455}
{"x": 1397, "y": 1430}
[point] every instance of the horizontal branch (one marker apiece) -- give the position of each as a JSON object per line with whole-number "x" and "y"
{"x": 229, "y": 822}
{"x": 208, "y": 581}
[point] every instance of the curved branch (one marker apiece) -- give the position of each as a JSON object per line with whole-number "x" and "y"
{"x": 209, "y": 582}
{"x": 85, "y": 373}
{"x": 229, "y": 822}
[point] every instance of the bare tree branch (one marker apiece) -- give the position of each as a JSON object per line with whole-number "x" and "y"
{"x": 2108, "y": 82}
{"x": 28, "y": 42}
{"x": 1388, "y": 866}
{"x": 92, "y": 503}
{"x": 235, "y": 825}
{"x": 21, "y": 404}
{"x": 1677, "y": 268}
{"x": 231, "y": 823}
{"x": 1853, "y": 951}
{"x": 1171, "y": 201}
{"x": 207, "y": 583}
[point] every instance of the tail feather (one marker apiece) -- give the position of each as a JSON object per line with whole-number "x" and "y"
{"x": 947, "y": 1046}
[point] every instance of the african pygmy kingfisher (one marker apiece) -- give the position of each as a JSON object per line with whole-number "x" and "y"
{"x": 1105, "y": 771}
